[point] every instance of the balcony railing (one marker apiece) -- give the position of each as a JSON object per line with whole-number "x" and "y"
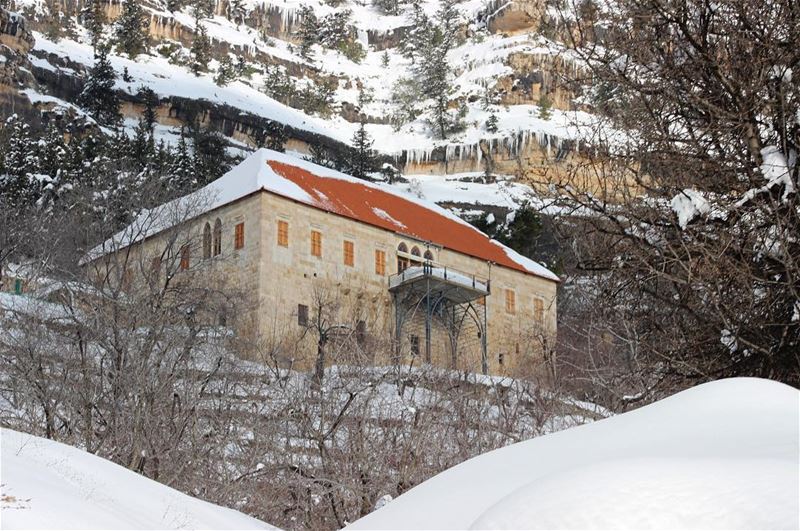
{"x": 435, "y": 271}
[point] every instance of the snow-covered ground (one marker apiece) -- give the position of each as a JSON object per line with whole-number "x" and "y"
{"x": 723, "y": 455}
{"x": 48, "y": 485}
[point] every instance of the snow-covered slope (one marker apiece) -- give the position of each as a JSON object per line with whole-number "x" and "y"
{"x": 48, "y": 485}
{"x": 723, "y": 455}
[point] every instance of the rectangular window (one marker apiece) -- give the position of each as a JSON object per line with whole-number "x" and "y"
{"x": 414, "y": 345}
{"x": 501, "y": 358}
{"x": 18, "y": 286}
{"x": 185, "y": 255}
{"x": 283, "y": 233}
{"x": 511, "y": 301}
{"x": 316, "y": 243}
{"x": 302, "y": 315}
{"x": 380, "y": 262}
{"x": 538, "y": 310}
{"x": 361, "y": 333}
{"x": 349, "y": 251}
{"x": 238, "y": 236}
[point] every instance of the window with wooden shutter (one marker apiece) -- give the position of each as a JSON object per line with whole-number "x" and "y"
{"x": 185, "y": 255}
{"x": 361, "y": 332}
{"x": 414, "y": 345}
{"x": 238, "y": 236}
{"x": 283, "y": 233}
{"x": 316, "y": 243}
{"x": 511, "y": 301}
{"x": 302, "y": 315}
{"x": 538, "y": 310}
{"x": 349, "y": 252}
{"x": 380, "y": 262}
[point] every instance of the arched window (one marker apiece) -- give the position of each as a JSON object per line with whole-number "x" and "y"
{"x": 402, "y": 261}
{"x": 207, "y": 241}
{"x": 217, "y": 237}
{"x": 428, "y": 256}
{"x": 415, "y": 251}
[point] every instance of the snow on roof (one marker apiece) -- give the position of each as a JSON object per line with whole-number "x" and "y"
{"x": 49, "y": 485}
{"x": 338, "y": 193}
{"x": 723, "y": 455}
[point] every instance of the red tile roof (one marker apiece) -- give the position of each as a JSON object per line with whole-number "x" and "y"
{"x": 392, "y": 212}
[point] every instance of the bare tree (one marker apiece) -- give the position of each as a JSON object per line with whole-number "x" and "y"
{"x": 686, "y": 246}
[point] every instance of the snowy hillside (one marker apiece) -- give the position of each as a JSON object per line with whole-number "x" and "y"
{"x": 48, "y": 485}
{"x": 723, "y": 455}
{"x": 504, "y": 89}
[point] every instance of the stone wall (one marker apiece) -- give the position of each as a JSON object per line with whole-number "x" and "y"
{"x": 292, "y": 276}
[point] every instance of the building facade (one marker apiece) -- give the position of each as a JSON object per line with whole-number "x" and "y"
{"x": 323, "y": 255}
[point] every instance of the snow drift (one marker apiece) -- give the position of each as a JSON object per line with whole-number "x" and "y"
{"x": 49, "y": 485}
{"x": 721, "y": 455}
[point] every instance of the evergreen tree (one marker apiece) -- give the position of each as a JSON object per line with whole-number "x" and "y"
{"x": 202, "y": 9}
{"x": 236, "y": 11}
{"x": 390, "y": 7}
{"x": 131, "y": 32}
{"x": 309, "y": 30}
{"x": 52, "y": 156}
{"x": 418, "y": 34}
{"x": 211, "y": 159}
{"x": 182, "y": 177}
{"x": 363, "y": 159}
{"x": 150, "y": 101}
{"x": 226, "y": 71}
{"x": 385, "y": 59}
{"x": 174, "y": 5}
{"x": 522, "y": 232}
{"x": 200, "y": 51}
{"x": 491, "y": 123}
{"x": 427, "y": 45}
{"x": 98, "y": 96}
{"x": 19, "y": 162}
{"x": 545, "y": 107}
{"x": 271, "y": 136}
{"x": 94, "y": 19}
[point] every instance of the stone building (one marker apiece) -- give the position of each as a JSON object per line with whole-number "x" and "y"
{"x": 322, "y": 253}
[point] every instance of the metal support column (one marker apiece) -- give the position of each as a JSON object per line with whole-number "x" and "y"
{"x": 485, "y": 341}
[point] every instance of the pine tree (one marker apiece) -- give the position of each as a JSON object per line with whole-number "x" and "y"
{"x": 418, "y": 34}
{"x": 236, "y": 11}
{"x": 271, "y": 136}
{"x": 94, "y": 18}
{"x": 131, "y": 32}
{"x": 52, "y": 155}
{"x": 385, "y": 59}
{"x": 19, "y": 162}
{"x": 545, "y": 107}
{"x": 182, "y": 177}
{"x": 390, "y": 7}
{"x": 309, "y": 30}
{"x": 226, "y": 71}
{"x": 491, "y": 123}
{"x": 427, "y": 45}
{"x": 200, "y": 51}
{"x": 363, "y": 159}
{"x": 98, "y": 96}
{"x": 150, "y": 101}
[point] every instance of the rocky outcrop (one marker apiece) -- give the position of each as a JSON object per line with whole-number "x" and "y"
{"x": 515, "y": 16}
{"x": 537, "y": 74}
{"x": 16, "y": 40}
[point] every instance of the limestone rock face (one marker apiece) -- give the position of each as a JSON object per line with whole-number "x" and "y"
{"x": 14, "y": 32}
{"x": 515, "y": 16}
{"x": 16, "y": 40}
